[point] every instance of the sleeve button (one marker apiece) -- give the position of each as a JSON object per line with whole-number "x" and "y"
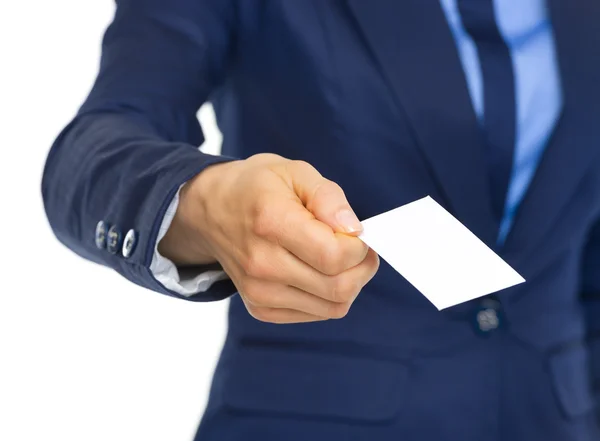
{"x": 101, "y": 232}
{"x": 129, "y": 243}
{"x": 113, "y": 240}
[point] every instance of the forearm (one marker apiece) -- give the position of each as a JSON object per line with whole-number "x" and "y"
{"x": 114, "y": 167}
{"x": 135, "y": 139}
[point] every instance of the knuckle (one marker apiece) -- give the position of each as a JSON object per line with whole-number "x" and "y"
{"x": 242, "y": 284}
{"x": 252, "y": 309}
{"x": 260, "y": 314}
{"x": 356, "y": 251}
{"x": 339, "y": 310}
{"x": 330, "y": 259}
{"x": 323, "y": 192}
{"x": 270, "y": 315}
{"x": 331, "y": 187}
{"x": 302, "y": 165}
{"x": 266, "y": 157}
{"x": 265, "y": 220}
{"x": 345, "y": 289}
{"x": 328, "y": 188}
{"x": 253, "y": 292}
{"x": 256, "y": 266}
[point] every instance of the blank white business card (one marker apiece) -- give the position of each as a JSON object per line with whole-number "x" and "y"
{"x": 437, "y": 254}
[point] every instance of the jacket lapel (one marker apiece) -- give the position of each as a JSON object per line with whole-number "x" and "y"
{"x": 577, "y": 136}
{"x": 414, "y": 48}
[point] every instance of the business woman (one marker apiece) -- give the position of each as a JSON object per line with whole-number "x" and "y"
{"x": 331, "y": 112}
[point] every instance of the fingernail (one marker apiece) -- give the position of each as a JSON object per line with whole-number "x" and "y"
{"x": 348, "y": 221}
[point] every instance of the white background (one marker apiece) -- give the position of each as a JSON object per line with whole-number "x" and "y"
{"x": 84, "y": 354}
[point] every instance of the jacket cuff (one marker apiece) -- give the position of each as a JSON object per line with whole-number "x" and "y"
{"x": 185, "y": 282}
{"x": 151, "y": 216}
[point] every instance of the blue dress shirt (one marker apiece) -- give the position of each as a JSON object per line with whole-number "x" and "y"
{"x": 526, "y": 29}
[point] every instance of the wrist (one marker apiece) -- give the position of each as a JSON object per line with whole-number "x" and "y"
{"x": 186, "y": 241}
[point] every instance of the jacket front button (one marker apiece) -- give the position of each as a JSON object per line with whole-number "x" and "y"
{"x": 487, "y": 320}
{"x": 488, "y": 316}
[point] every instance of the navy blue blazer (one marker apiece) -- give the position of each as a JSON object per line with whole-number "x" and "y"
{"x": 373, "y": 95}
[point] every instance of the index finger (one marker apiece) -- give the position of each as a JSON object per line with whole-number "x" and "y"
{"x": 317, "y": 244}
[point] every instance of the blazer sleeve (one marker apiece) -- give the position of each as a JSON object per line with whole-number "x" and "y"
{"x": 591, "y": 302}
{"x": 135, "y": 139}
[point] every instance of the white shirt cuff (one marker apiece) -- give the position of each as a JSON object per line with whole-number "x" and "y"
{"x": 165, "y": 271}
